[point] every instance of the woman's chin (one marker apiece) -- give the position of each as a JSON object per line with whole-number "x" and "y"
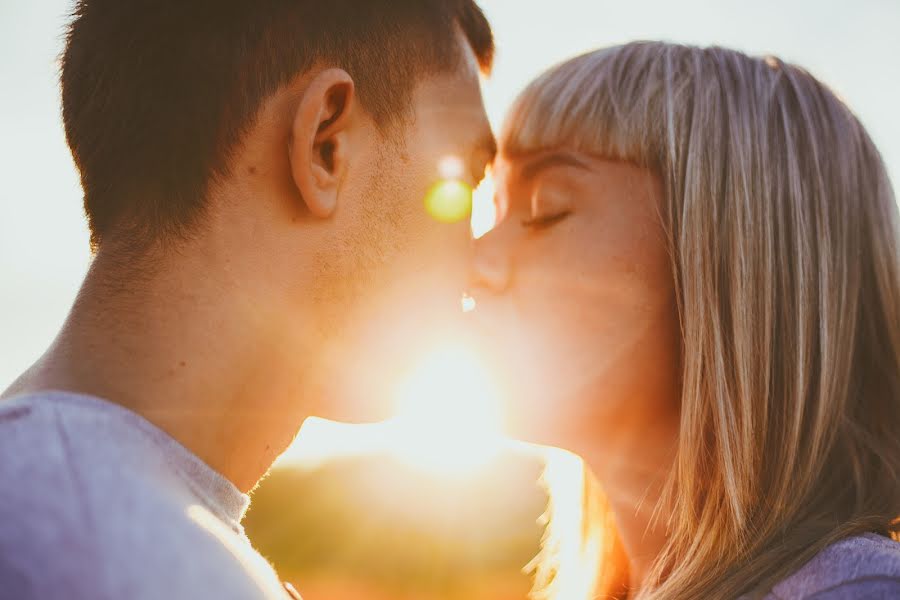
{"x": 530, "y": 370}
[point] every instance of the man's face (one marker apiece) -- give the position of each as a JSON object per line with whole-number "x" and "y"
{"x": 392, "y": 289}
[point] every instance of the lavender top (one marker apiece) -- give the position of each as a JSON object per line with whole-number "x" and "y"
{"x": 97, "y": 503}
{"x": 865, "y": 567}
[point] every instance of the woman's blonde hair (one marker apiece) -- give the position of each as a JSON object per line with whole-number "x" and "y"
{"x": 783, "y": 232}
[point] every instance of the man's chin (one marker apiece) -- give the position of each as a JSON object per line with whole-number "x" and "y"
{"x": 355, "y": 413}
{"x": 353, "y": 398}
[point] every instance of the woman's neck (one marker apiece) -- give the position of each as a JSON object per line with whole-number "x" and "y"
{"x": 632, "y": 464}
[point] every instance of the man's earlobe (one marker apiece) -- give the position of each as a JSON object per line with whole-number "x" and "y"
{"x": 317, "y": 148}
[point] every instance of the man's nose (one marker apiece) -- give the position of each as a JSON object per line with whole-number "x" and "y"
{"x": 490, "y": 263}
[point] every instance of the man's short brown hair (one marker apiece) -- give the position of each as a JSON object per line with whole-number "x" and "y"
{"x": 156, "y": 94}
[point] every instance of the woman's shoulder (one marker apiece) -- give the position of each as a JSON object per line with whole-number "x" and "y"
{"x": 862, "y": 566}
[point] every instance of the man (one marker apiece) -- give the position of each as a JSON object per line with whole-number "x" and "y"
{"x": 253, "y": 175}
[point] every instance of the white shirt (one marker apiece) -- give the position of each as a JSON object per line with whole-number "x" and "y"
{"x": 97, "y": 503}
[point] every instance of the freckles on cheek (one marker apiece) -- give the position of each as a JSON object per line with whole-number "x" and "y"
{"x": 604, "y": 244}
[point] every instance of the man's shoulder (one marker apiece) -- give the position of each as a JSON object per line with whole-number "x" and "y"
{"x": 863, "y": 566}
{"x": 157, "y": 550}
{"x": 62, "y": 463}
{"x": 76, "y": 523}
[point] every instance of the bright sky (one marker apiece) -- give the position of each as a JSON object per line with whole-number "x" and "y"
{"x": 852, "y": 46}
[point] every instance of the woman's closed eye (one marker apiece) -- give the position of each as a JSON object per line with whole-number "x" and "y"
{"x": 546, "y": 220}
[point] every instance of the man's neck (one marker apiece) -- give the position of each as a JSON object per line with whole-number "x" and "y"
{"x": 185, "y": 349}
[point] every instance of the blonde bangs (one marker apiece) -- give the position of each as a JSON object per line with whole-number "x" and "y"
{"x": 594, "y": 104}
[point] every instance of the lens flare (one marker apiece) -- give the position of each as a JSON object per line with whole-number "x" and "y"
{"x": 451, "y": 167}
{"x": 449, "y": 201}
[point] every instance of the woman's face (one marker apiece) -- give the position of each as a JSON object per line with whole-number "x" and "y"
{"x": 574, "y": 297}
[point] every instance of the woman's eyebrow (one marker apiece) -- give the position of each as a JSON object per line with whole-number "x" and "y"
{"x": 557, "y": 159}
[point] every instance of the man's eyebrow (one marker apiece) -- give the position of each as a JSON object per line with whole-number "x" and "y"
{"x": 482, "y": 154}
{"x": 556, "y": 159}
{"x": 485, "y": 148}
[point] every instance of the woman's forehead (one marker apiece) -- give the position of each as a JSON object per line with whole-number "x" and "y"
{"x": 528, "y": 165}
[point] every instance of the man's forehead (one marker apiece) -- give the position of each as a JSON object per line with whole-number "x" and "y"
{"x": 450, "y": 91}
{"x": 452, "y": 106}
{"x": 469, "y": 62}
{"x": 450, "y": 103}
{"x": 458, "y": 88}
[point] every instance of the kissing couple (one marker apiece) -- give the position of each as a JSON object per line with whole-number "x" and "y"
{"x": 693, "y": 283}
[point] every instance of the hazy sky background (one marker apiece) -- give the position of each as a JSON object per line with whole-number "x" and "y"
{"x": 854, "y": 46}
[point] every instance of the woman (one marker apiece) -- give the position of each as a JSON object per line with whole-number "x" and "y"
{"x": 695, "y": 285}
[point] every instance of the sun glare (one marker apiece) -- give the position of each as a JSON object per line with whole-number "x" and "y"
{"x": 448, "y": 413}
{"x": 448, "y": 420}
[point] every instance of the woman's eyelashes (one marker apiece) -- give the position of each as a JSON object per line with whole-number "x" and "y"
{"x": 546, "y": 220}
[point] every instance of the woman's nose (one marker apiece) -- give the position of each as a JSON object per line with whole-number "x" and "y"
{"x": 490, "y": 263}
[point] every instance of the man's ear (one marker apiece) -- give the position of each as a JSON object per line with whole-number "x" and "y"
{"x": 317, "y": 148}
